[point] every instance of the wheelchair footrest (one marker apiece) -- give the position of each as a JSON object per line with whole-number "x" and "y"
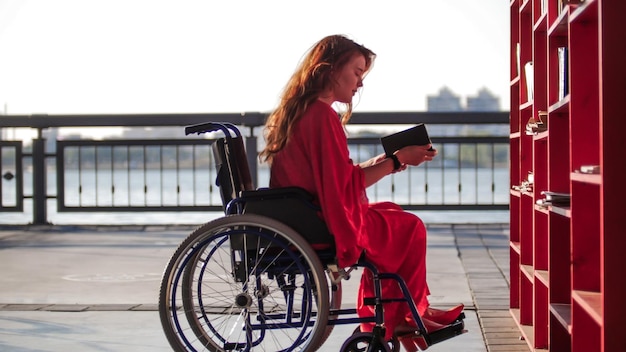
{"x": 450, "y": 331}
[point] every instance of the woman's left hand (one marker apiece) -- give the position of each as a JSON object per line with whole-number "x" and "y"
{"x": 416, "y": 154}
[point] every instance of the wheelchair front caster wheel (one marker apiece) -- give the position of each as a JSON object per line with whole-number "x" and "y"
{"x": 365, "y": 341}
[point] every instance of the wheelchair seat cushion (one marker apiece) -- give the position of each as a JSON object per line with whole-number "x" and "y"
{"x": 292, "y": 206}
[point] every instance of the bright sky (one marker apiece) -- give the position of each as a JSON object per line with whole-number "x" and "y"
{"x": 144, "y": 56}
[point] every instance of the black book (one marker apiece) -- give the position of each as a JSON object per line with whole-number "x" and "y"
{"x": 416, "y": 135}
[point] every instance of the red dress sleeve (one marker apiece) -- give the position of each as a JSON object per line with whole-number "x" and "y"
{"x": 317, "y": 159}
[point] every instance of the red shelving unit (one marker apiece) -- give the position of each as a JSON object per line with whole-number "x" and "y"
{"x": 567, "y": 269}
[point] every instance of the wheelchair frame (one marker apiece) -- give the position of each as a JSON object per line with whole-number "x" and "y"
{"x": 279, "y": 263}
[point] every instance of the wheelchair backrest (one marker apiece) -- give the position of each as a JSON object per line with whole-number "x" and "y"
{"x": 233, "y": 172}
{"x": 291, "y": 205}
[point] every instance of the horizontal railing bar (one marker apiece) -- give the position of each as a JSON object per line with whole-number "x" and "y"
{"x": 132, "y": 142}
{"x": 448, "y": 206}
{"x": 128, "y": 120}
{"x": 218, "y": 208}
{"x": 252, "y": 119}
{"x": 176, "y": 208}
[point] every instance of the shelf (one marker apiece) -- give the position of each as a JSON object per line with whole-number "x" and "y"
{"x": 543, "y": 276}
{"x": 586, "y": 11}
{"x": 529, "y": 271}
{"x": 525, "y": 7}
{"x": 526, "y": 331}
{"x": 515, "y": 135}
{"x": 541, "y": 136}
{"x": 595, "y": 179}
{"x": 515, "y": 247}
{"x": 541, "y": 23}
{"x": 563, "y": 211}
{"x": 515, "y": 80}
{"x": 559, "y": 27}
{"x": 561, "y": 106}
{"x": 526, "y": 105}
{"x": 542, "y": 209}
{"x": 563, "y": 314}
{"x": 591, "y": 302}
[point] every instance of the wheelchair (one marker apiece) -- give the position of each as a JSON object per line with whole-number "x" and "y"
{"x": 264, "y": 277}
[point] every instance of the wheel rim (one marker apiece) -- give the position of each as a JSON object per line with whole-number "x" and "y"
{"x": 224, "y": 314}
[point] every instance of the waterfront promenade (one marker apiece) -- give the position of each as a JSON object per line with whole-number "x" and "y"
{"x": 95, "y": 288}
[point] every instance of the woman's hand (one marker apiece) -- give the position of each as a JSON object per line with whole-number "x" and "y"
{"x": 415, "y": 154}
{"x": 378, "y": 166}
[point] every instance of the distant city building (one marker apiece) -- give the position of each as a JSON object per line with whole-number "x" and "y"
{"x": 153, "y": 133}
{"x": 483, "y": 101}
{"x": 446, "y": 100}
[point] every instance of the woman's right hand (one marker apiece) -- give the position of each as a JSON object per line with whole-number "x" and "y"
{"x": 416, "y": 154}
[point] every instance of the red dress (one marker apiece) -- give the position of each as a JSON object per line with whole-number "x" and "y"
{"x": 317, "y": 159}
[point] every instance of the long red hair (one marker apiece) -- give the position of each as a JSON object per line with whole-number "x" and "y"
{"x": 313, "y": 76}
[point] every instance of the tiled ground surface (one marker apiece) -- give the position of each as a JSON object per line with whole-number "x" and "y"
{"x": 37, "y": 299}
{"x": 484, "y": 252}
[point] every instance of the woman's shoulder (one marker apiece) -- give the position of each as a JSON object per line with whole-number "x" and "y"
{"x": 318, "y": 109}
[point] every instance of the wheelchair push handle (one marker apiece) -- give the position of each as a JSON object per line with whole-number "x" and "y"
{"x": 225, "y": 127}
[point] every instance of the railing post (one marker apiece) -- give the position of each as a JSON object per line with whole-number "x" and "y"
{"x": 39, "y": 180}
{"x": 252, "y": 152}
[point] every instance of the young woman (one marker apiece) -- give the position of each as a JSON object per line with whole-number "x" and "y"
{"x": 307, "y": 147}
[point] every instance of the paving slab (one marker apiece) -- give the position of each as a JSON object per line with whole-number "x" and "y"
{"x": 95, "y": 288}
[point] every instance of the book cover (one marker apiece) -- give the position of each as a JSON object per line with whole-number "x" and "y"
{"x": 563, "y": 72}
{"x": 416, "y": 135}
{"x": 518, "y": 50}
{"x": 529, "y": 73}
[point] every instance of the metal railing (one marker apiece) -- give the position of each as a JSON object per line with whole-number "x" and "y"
{"x": 178, "y": 174}
{"x": 12, "y": 172}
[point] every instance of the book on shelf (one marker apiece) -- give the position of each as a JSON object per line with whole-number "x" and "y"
{"x": 531, "y": 126}
{"x": 526, "y": 185}
{"x": 540, "y": 124}
{"x": 563, "y": 72}
{"x": 542, "y": 121}
{"x": 416, "y": 135}
{"x": 518, "y": 49}
{"x": 590, "y": 169}
{"x": 554, "y": 198}
{"x": 529, "y": 74}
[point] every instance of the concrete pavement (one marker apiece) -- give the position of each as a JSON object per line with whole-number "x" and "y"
{"x": 95, "y": 288}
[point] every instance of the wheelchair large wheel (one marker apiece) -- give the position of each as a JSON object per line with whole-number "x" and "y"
{"x": 243, "y": 283}
{"x": 189, "y": 297}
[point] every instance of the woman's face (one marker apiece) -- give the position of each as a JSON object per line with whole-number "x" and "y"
{"x": 349, "y": 79}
